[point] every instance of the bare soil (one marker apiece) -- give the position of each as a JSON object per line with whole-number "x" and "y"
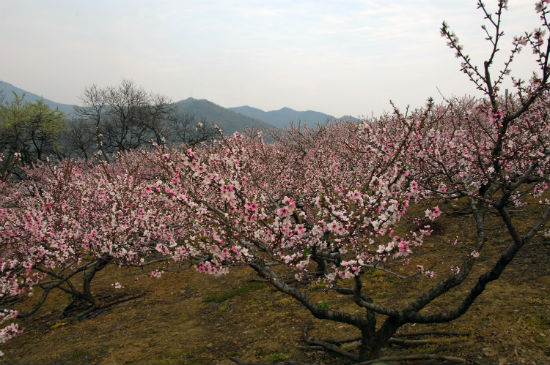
{"x": 190, "y": 318}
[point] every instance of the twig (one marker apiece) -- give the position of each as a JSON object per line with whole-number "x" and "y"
{"x": 94, "y": 311}
{"x": 406, "y": 343}
{"x": 258, "y": 281}
{"x": 417, "y": 357}
{"x": 349, "y": 340}
{"x": 239, "y": 362}
{"x": 122, "y": 300}
{"x": 310, "y": 348}
{"x": 431, "y": 333}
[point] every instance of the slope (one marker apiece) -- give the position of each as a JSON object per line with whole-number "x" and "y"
{"x": 283, "y": 117}
{"x": 228, "y": 120}
{"x": 7, "y": 90}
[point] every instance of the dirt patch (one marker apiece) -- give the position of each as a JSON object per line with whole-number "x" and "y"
{"x": 189, "y": 318}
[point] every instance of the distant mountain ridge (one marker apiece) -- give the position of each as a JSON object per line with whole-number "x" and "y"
{"x": 229, "y": 120}
{"x": 7, "y": 90}
{"x": 283, "y": 117}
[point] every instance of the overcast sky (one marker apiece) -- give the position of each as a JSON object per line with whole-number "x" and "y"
{"x": 336, "y": 57}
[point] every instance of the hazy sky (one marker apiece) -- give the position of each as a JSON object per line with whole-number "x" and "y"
{"x": 337, "y": 57}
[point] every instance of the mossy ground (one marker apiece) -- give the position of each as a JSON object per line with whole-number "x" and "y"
{"x": 189, "y": 318}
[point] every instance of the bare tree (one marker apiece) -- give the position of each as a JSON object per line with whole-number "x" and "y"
{"x": 94, "y": 100}
{"x": 79, "y": 139}
{"x": 186, "y": 129}
{"x": 127, "y": 117}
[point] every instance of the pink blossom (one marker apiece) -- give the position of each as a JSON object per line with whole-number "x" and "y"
{"x": 117, "y": 285}
{"x": 433, "y": 214}
{"x": 283, "y": 212}
{"x": 251, "y": 206}
{"x": 414, "y": 187}
{"x": 156, "y": 273}
{"x": 300, "y": 230}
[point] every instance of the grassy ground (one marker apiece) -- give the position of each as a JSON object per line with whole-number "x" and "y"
{"x": 190, "y": 318}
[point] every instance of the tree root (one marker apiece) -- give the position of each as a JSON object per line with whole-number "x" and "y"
{"x": 326, "y": 345}
{"x": 407, "y": 358}
{"x": 403, "y": 340}
{"x": 96, "y": 310}
{"x": 239, "y": 362}
{"x": 431, "y": 333}
{"x": 397, "y": 339}
{"x": 77, "y": 304}
{"x": 408, "y": 343}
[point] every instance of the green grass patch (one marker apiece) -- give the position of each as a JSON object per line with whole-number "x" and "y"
{"x": 539, "y": 321}
{"x": 277, "y": 357}
{"x": 324, "y": 304}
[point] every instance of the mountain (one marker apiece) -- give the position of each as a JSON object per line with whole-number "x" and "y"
{"x": 283, "y": 117}
{"x": 228, "y": 120}
{"x": 7, "y": 90}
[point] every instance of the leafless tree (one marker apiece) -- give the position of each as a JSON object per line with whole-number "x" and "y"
{"x": 186, "y": 129}
{"x": 79, "y": 139}
{"x": 127, "y": 117}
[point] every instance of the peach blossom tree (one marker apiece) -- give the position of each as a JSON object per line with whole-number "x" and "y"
{"x": 316, "y": 205}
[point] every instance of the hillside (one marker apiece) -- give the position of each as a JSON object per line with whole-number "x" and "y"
{"x": 7, "y": 90}
{"x": 228, "y": 120}
{"x": 190, "y": 318}
{"x": 283, "y": 117}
